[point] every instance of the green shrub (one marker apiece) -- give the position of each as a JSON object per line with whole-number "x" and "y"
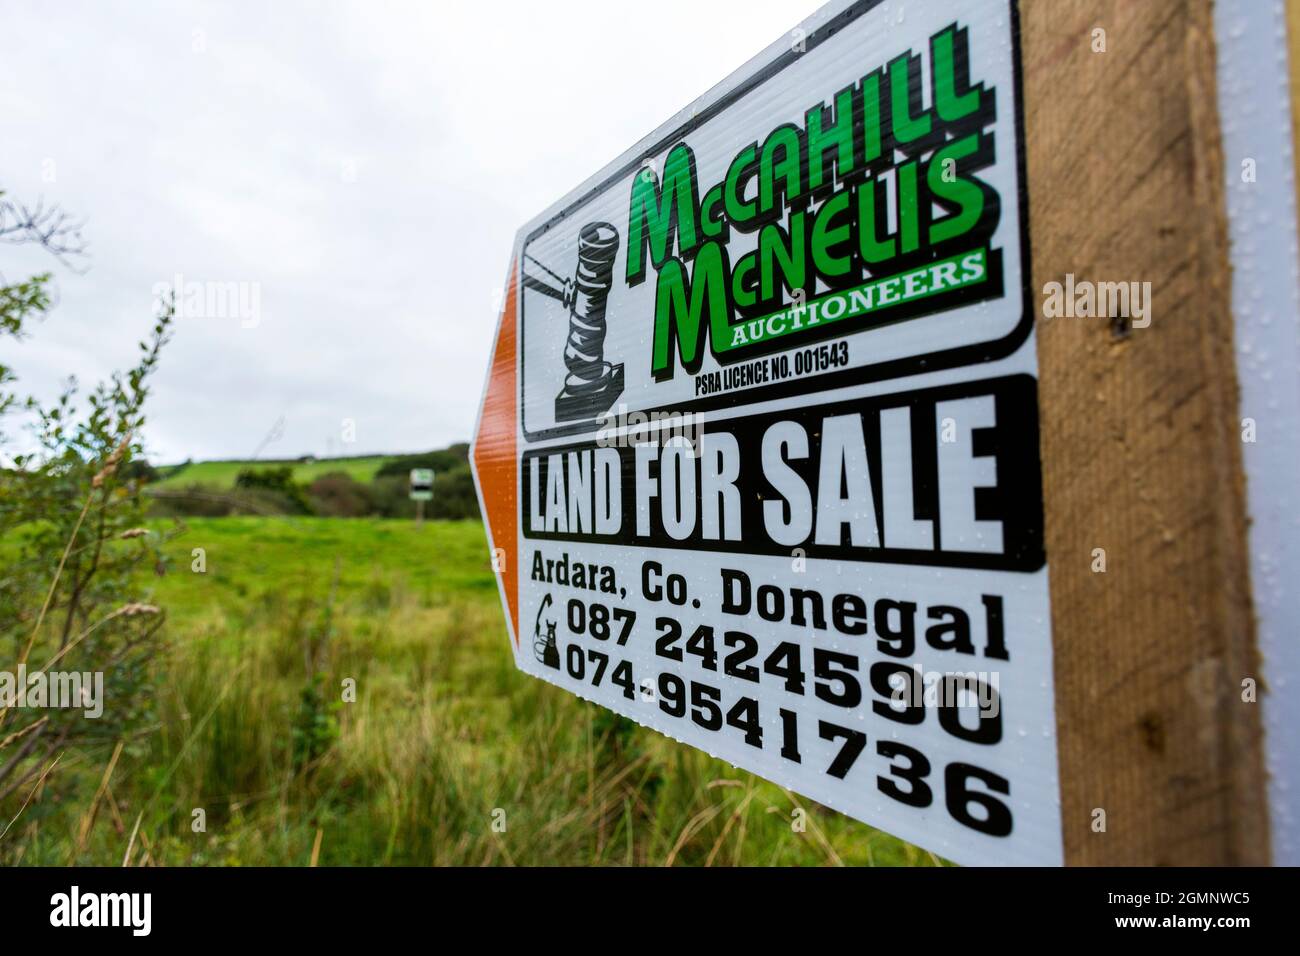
{"x": 445, "y": 459}
{"x": 453, "y": 495}
{"x": 206, "y": 501}
{"x": 75, "y": 592}
{"x": 390, "y": 497}
{"x": 337, "y": 494}
{"x": 278, "y": 480}
{"x": 315, "y": 728}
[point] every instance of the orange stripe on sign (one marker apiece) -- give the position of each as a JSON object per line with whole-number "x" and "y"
{"x": 494, "y": 453}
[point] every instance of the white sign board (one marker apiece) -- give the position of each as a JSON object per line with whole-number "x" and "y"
{"x": 421, "y": 484}
{"x": 1251, "y": 56}
{"x": 760, "y": 433}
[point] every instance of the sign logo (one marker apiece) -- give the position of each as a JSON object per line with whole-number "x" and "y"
{"x": 865, "y": 191}
{"x": 592, "y": 384}
{"x": 900, "y": 224}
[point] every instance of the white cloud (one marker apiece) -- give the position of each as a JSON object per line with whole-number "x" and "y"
{"x": 367, "y": 164}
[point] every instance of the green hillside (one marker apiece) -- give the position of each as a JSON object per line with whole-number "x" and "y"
{"x": 222, "y": 473}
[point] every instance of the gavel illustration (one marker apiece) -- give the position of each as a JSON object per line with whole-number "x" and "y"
{"x": 592, "y": 384}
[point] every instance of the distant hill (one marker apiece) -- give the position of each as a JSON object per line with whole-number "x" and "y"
{"x": 356, "y": 486}
{"x": 222, "y": 474}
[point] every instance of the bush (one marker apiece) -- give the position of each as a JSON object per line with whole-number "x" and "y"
{"x": 278, "y": 480}
{"x": 390, "y": 497}
{"x": 337, "y": 494}
{"x": 75, "y": 587}
{"x": 444, "y": 460}
{"x": 272, "y": 491}
{"x": 207, "y": 501}
{"x": 139, "y": 471}
{"x": 453, "y": 495}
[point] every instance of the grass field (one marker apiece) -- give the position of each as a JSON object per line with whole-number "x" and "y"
{"x": 444, "y": 738}
{"x": 222, "y": 473}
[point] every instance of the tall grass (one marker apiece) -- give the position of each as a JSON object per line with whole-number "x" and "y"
{"x": 448, "y": 755}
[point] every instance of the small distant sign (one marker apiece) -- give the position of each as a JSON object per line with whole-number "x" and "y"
{"x": 421, "y": 484}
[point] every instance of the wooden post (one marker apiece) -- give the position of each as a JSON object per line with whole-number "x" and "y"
{"x": 1141, "y": 440}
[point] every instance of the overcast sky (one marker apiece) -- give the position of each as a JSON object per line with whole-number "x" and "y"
{"x": 361, "y": 167}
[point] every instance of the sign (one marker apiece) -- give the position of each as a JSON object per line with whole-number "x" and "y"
{"x": 1251, "y": 57}
{"x": 421, "y": 484}
{"x": 758, "y": 450}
